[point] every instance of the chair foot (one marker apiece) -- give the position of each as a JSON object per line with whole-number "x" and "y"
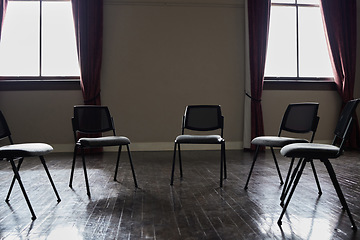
{"x": 353, "y": 227}
{"x": 279, "y": 222}
{"x": 33, "y": 218}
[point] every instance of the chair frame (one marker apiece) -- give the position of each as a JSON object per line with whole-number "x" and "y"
{"x": 341, "y": 133}
{"x": 77, "y": 129}
{"x": 16, "y": 168}
{"x": 223, "y": 171}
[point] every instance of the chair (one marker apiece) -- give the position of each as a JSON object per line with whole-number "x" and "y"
{"x": 323, "y": 152}
{"x": 17, "y": 152}
{"x": 201, "y": 118}
{"x": 299, "y": 118}
{"x": 96, "y": 120}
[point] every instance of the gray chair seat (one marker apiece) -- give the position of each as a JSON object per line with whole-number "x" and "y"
{"x": 25, "y": 150}
{"x": 310, "y": 150}
{"x": 104, "y": 141}
{"x": 199, "y": 139}
{"x": 275, "y": 141}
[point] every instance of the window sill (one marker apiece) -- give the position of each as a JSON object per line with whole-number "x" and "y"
{"x": 299, "y": 85}
{"x": 33, "y": 85}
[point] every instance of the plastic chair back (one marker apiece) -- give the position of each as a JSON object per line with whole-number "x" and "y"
{"x": 345, "y": 120}
{"x": 92, "y": 119}
{"x": 203, "y": 117}
{"x": 300, "y": 118}
{"x": 4, "y": 128}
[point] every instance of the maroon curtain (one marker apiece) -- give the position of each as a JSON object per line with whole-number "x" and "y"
{"x": 339, "y": 18}
{"x": 259, "y": 17}
{"x": 3, "y": 5}
{"x": 88, "y": 18}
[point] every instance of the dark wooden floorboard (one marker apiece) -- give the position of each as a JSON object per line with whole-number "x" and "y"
{"x": 195, "y": 207}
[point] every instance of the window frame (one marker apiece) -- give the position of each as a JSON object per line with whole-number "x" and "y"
{"x": 300, "y": 83}
{"x": 9, "y": 83}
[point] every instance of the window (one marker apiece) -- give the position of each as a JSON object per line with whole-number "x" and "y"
{"x": 38, "y": 41}
{"x": 297, "y": 48}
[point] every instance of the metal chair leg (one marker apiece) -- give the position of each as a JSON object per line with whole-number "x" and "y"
{"x": 17, "y": 176}
{"x": 173, "y": 166}
{"x": 180, "y": 162}
{"x": 73, "y": 167}
{"x": 252, "y": 166}
{"x": 298, "y": 175}
{"x": 288, "y": 187}
{"x": 13, "y": 180}
{"x": 277, "y": 165}
{"x": 282, "y": 197}
{"x": 221, "y": 166}
{"x": 117, "y": 162}
{"x": 50, "y": 178}
{"x": 132, "y": 166}
{"x": 224, "y": 156}
{"x": 316, "y": 177}
{"x": 85, "y": 172}
{"x": 338, "y": 190}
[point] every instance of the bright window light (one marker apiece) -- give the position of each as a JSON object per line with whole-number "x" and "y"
{"x": 20, "y": 40}
{"x": 297, "y": 46}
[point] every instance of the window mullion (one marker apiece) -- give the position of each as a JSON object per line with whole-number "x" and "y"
{"x": 40, "y": 41}
{"x": 297, "y": 41}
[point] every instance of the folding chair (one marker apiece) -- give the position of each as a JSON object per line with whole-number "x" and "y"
{"x": 18, "y": 152}
{"x": 323, "y": 152}
{"x": 92, "y": 119}
{"x": 299, "y": 118}
{"x": 201, "y": 118}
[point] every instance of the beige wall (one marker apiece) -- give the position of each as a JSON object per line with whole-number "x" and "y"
{"x": 158, "y": 58}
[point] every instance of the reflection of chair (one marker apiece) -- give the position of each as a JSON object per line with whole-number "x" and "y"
{"x": 19, "y": 152}
{"x": 298, "y": 118}
{"x": 96, "y": 120}
{"x": 201, "y": 118}
{"x": 323, "y": 152}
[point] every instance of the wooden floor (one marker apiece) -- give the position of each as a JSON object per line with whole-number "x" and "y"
{"x": 194, "y": 208}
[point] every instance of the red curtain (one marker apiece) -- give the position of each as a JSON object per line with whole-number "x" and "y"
{"x": 3, "y": 5}
{"x": 339, "y": 18}
{"x": 88, "y": 18}
{"x": 259, "y": 17}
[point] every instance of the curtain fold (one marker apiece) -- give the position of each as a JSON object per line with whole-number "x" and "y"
{"x": 339, "y": 19}
{"x": 88, "y": 19}
{"x": 3, "y": 5}
{"x": 258, "y": 23}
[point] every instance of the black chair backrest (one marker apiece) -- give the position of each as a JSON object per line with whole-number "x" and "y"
{"x": 345, "y": 121}
{"x": 300, "y": 118}
{"x": 4, "y": 129}
{"x": 92, "y": 119}
{"x": 203, "y": 118}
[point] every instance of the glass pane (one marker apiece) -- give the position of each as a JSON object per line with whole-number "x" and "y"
{"x": 19, "y": 46}
{"x": 281, "y": 53}
{"x": 314, "y": 56}
{"x": 308, "y": 2}
{"x": 59, "y": 45}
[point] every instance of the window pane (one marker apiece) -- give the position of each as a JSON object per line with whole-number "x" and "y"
{"x": 19, "y": 48}
{"x": 59, "y": 45}
{"x": 281, "y": 53}
{"x": 313, "y": 52}
{"x": 308, "y": 2}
